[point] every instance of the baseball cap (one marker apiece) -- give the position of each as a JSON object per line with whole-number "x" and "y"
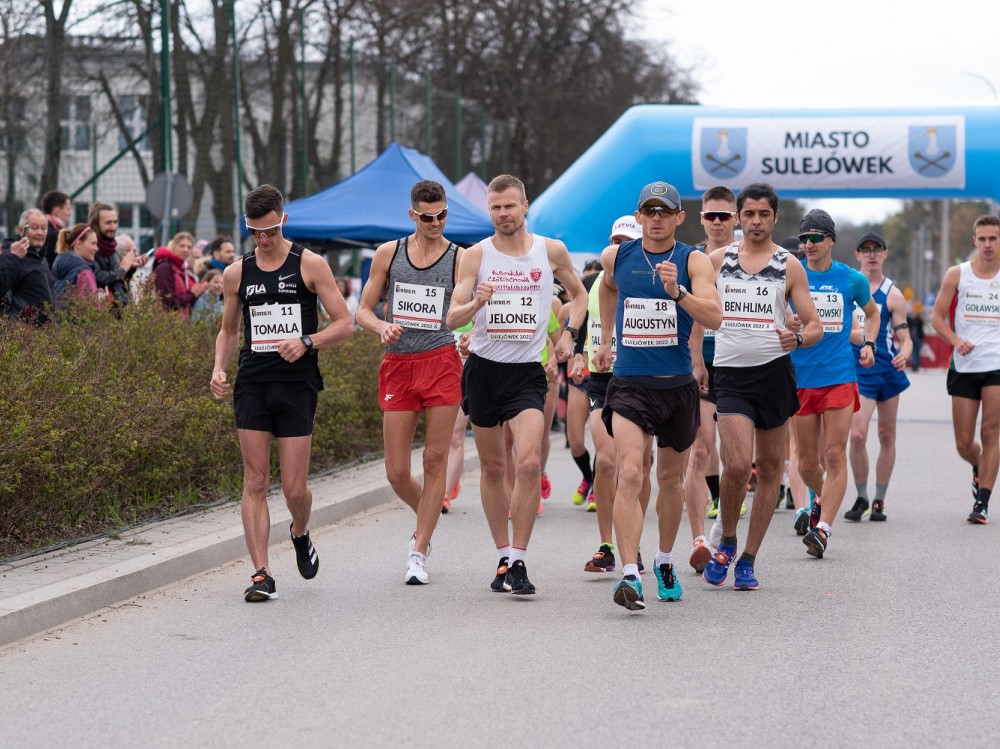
{"x": 626, "y": 227}
{"x": 664, "y": 193}
{"x": 872, "y": 236}
{"x": 818, "y": 221}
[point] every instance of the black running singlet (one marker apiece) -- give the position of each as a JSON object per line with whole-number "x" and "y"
{"x": 276, "y": 306}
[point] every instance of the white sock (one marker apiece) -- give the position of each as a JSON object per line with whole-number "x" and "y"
{"x": 663, "y": 557}
{"x": 502, "y": 551}
{"x": 630, "y": 569}
{"x": 824, "y": 526}
{"x": 516, "y": 554}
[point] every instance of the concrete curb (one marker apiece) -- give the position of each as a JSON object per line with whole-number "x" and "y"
{"x": 49, "y": 605}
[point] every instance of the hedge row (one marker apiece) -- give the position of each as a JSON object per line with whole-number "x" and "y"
{"x": 106, "y": 421}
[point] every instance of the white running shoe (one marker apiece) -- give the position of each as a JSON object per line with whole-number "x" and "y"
{"x": 715, "y": 535}
{"x": 416, "y": 573}
{"x": 413, "y": 542}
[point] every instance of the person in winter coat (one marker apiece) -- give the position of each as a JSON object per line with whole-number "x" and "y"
{"x": 178, "y": 290}
{"x": 73, "y": 267}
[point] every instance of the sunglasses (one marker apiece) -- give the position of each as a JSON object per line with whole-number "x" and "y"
{"x": 814, "y": 238}
{"x": 713, "y": 216}
{"x": 429, "y": 218}
{"x": 267, "y": 231}
{"x": 657, "y": 210}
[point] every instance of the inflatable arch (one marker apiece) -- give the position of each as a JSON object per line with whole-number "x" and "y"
{"x": 928, "y": 154}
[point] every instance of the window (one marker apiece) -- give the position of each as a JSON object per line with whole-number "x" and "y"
{"x": 133, "y": 109}
{"x": 74, "y": 123}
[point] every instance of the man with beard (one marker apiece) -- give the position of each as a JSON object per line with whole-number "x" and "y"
{"x": 112, "y": 274}
{"x": 505, "y": 285}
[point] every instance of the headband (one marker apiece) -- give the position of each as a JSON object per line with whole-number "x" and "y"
{"x": 82, "y": 235}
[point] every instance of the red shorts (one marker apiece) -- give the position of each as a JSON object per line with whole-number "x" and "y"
{"x": 413, "y": 382}
{"x": 817, "y": 400}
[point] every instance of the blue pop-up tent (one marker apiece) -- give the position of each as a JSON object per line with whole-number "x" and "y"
{"x": 370, "y": 207}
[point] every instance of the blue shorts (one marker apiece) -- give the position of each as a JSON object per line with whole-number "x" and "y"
{"x": 883, "y": 385}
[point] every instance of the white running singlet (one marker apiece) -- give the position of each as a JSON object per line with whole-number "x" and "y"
{"x": 977, "y": 320}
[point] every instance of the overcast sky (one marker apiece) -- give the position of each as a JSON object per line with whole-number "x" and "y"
{"x": 801, "y": 53}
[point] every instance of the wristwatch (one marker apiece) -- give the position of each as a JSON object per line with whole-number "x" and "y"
{"x": 681, "y": 293}
{"x": 871, "y": 344}
{"x": 307, "y": 342}
{"x": 798, "y": 340}
{"x": 575, "y": 331}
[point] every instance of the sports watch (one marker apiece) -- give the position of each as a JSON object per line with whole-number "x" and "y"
{"x": 681, "y": 293}
{"x": 307, "y": 342}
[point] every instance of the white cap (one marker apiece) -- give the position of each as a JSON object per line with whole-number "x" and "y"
{"x": 626, "y": 227}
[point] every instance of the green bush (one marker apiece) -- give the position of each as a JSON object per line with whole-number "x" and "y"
{"x": 107, "y": 420}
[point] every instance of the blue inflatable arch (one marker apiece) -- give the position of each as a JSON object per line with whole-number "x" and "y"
{"x": 926, "y": 154}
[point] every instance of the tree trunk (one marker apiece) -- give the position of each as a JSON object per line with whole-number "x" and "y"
{"x": 55, "y": 52}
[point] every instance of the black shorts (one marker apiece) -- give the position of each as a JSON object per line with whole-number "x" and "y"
{"x": 494, "y": 392}
{"x": 597, "y": 389}
{"x": 711, "y": 396}
{"x": 285, "y": 409}
{"x": 672, "y": 416}
{"x": 765, "y": 394}
{"x": 583, "y": 386}
{"x": 971, "y": 384}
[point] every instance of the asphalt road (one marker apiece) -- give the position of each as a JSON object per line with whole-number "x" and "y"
{"x": 889, "y": 641}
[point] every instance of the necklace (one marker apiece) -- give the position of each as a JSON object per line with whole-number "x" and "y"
{"x": 667, "y": 260}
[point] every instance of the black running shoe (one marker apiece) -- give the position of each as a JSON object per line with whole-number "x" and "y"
{"x": 517, "y": 581}
{"x": 878, "y": 511}
{"x": 801, "y": 523}
{"x": 638, "y": 561}
{"x": 602, "y": 561}
{"x": 978, "y": 514}
{"x": 858, "y": 511}
{"x": 815, "y": 541}
{"x": 499, "y": 584}
{"x": 815, "y": 511}
{"x": 306, "y": 557}
{"x": 261, "y": 587}
{"x": 789, "y": 502}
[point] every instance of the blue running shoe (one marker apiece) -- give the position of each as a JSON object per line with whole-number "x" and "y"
{"x": 668, "y": 587}
{"x": 745, "y": 578}
{"x": 718, "y": 566}
{"x": 628, "y": 593}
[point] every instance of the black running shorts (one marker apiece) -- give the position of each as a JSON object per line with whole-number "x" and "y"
{"x": 765, "y": 394}
{"x": 495, "y": 392}
{"x": 971, "y": 384}
{"x": 672, "y": 416}
{"x": 285, "y": 409}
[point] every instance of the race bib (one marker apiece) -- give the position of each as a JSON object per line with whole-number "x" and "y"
{"x": 512, "y": 317}
{"x": 272, "y": 323}
{"x": 649, "y": 322}
{"x": 417, "y": 306}
{"x": 595, "y": 338}
{"x": 748, "y": 305}
{"x": 982, "y": 307}
{"x": 830, "y": 308}
{"x": 859, "y": 314}
{"x": 710, "y": 333}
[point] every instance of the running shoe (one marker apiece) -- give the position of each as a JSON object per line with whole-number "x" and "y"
{"x": 602, "y": 561}
{"x": 752, "y": 483}
{"x": 857, "y": 511}
{"x": 978, "y": 514}
{"x": 412, "y": 546}
{"x": 717, "y": 568}
{"x": 815, "y": 510}
{"x": 261, "y": 587}
{"x": 628, "y": 593}
{"x": 517, "y": 581}
{"x": 541, "y": 506}
{"x": 668, "y": 587}
{"x": 456, "y": 489}
{"x": 581, "y": 493}
{"x": 591, "y": 501}
{"x": 715, "y": 534}
{"x": 445, "y": 506}
{"x": 801, "y": 523}
{"x": 789, "y": 502}
{"x": 700, "y": 554}
{"x": 743, "y": 508}
{"x": 546, "y": 486}
{"x": 306, "y": 558}
{"x": 713, "y": 508}
{"x": 416, "y": 573}
{"x": 638, "y": 561}
{"x": 878, "y": 511}
{"x": 744, "y": 578}
{"x": 499, "y": 584}
{"x": 816, "y": 540}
